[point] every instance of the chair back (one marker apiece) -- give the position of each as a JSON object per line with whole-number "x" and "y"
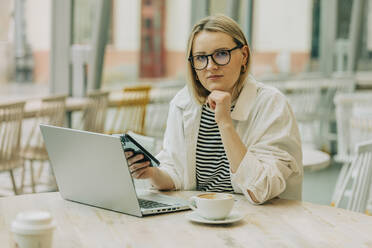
{"x": 131, "y": 111}
{"x": 305, "y": 102}
{"x": 94, "y": 115}
{"x": 358, "y": 179}
{"x": 350, "y": 119}
{"x": 53, "y": 112}
{"x": 361, "y": 122}
{"x": 305, "y": 96}
{"x": 11, "y": 116}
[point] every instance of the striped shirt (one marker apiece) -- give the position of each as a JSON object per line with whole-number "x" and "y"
{"x": 212, "y": 165}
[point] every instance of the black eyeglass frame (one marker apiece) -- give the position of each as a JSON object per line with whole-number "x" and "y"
{"x": 211, "y": 55}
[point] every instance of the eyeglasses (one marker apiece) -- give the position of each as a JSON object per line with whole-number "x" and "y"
{"x": 220, "y": 57}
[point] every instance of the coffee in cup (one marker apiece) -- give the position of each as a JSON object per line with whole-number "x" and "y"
{"x": 213, "y": 206}
{"x": 33, "y": 229}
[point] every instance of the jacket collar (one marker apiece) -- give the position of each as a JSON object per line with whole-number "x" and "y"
{"x": 245, "y": 100}
{"x": 243, "y": 104}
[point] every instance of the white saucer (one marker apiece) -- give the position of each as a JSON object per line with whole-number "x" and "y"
{"x": 233, "y": 217}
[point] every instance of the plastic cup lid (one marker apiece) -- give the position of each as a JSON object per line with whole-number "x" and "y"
{"x": 33, "y": 222}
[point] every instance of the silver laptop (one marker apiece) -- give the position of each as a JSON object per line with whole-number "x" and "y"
{"x": 91, "y": 168}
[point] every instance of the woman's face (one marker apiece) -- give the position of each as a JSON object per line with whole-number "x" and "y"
{"x": 213, "y": 76}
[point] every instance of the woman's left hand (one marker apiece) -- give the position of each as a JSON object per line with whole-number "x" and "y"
{"x": 220, "y": 102}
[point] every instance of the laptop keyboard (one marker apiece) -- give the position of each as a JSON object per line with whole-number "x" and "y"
{"x": 151, "y": 204}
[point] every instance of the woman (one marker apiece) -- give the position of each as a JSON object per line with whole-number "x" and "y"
{"x": 225, "y": 131}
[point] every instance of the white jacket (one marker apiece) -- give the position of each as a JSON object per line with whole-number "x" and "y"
{"x": 265, "y": 123}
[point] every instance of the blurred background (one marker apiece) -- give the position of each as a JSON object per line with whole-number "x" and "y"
{"x": 147, "y": 39}
{"x": 317, "y": 52}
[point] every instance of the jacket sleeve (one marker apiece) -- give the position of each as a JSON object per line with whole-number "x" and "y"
{"x": 273, "y": 150}
{"x": 170, "y": 157}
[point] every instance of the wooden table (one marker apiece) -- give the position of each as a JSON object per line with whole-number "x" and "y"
{"x": 279, "y": 223}
{"x": 115, "y": 98}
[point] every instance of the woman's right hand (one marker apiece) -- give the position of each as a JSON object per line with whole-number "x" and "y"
{"x": 139, "y": 169}
{"x": 142, "y": 170}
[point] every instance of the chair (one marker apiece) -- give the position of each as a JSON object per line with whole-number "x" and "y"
{"x": 305, "y": 99}
{"x": 351, "y": 129}
{"x": 361, "y": 122}
{"x": 11, "y": 116}
{"x": 52, "y": 112}
{"x": 94, "y": 114}
{"x": 312, "y": 103}
{"x": 338, "y": 84}
{"x": 358, "y": 176}
{"x": 157, "y": 111}
{"x": 131, "y": 111}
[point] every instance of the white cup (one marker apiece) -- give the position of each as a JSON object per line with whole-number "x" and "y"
{"x": 33, "y": 229}
{"x": 213, "y": 206}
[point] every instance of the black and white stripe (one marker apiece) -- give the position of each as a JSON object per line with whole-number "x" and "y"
{"x": 212, "y": 165}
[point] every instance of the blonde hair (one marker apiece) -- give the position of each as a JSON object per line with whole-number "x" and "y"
{"x": 215, "y": 23}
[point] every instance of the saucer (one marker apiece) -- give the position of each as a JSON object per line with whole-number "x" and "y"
{"x": 233, "y": 217}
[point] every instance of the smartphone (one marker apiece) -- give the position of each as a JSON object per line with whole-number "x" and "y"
{"x": 130, "y": 144}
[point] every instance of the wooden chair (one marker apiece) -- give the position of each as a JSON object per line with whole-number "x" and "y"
{"x": 94, "y": 115}
{"x": 11, "y": 116}
{"x": 358, "y": 179}
{"x": 53, "y": 112}
{"x": 131, "y": 112}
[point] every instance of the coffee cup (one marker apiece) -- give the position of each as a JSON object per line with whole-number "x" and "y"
{"x": 212, "y": 206}
{"x": 33, "y": 229}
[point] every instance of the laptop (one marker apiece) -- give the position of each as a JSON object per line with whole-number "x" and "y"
{"x": 91, "y": 168}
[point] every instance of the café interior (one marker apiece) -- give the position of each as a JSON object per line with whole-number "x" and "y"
{"x": 114, "y": 66}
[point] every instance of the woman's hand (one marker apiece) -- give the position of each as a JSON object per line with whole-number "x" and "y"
{"x": 220, "y": 102}
{"x": 139, "y": 169}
